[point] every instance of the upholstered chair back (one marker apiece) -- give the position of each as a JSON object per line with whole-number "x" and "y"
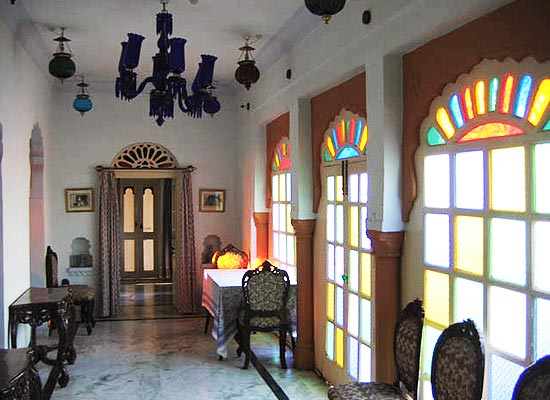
{"x": 534, "y": 382}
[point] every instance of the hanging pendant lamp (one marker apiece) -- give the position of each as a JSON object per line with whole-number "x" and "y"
{"x": 61, "y": 66}
{"x": 82, "y": 103}
{"x": 247, "y": 73}
{"x": 325, "y": 8}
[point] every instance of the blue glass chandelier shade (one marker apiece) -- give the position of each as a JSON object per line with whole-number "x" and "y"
{"x": 82, "y": 104}
{"x": 168, "y": 85}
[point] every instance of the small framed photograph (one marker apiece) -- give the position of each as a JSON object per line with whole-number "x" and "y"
{"x": 211, "y": 200}
{"x": 79, "y": 200}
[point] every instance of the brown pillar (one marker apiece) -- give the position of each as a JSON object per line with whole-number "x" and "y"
{"x": 386, "y": 300}
{"x": 303, "y": 353}
{"x": 261, "y": 220}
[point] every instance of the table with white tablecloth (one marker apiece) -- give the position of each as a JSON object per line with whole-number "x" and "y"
{"x": 222, "y": 296}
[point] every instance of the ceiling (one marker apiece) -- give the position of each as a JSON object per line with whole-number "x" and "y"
{"x": 216, "y": 27}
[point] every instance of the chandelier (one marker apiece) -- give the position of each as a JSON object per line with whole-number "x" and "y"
{"x": 169, "y": 87}
{"x": 325, "y": 8}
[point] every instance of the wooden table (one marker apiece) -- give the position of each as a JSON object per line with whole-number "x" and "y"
{"x": 35, "y": 307}
{"x": 18, "y": 378}
{"x": 222, "y": 296}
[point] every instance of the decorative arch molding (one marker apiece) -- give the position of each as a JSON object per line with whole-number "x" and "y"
{"x": 495, "y": 99}
{"x": 145, "y": 155}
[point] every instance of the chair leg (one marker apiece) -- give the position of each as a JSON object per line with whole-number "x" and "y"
{"x": 282, "y": 347}
{"x": 246, "y": 343}
{"x": 207, "y": 322}
{"x": 86, "y": 314}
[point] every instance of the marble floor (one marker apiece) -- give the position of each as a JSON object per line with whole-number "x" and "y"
{"x": 172, "y": 358}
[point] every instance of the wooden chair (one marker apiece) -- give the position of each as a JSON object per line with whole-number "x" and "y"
{"x": 458, "y": 363}
{"x": 265, "y": 292}
{"x": 83, "y": 296}
{"x": 534, "y": 382}
{"x": 406, "y": 343}
{"x": 18, "y": 378}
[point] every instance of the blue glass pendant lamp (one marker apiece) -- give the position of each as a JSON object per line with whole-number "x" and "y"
{"x": 169, "y": 87}
{"x": 82, "y": 103}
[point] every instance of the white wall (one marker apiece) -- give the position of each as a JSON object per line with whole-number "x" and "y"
{"x": 24, "y": 103}
{"x": 81, "y": 143}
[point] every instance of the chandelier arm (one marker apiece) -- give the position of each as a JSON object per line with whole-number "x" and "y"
{"x": 181, "y": 100}
{"x": 141, "y": 87}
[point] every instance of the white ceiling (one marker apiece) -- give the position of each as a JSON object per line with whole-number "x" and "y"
{"x": 96, "y": 28}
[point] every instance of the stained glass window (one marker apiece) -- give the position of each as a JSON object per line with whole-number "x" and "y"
{"x": 485, "y": 205}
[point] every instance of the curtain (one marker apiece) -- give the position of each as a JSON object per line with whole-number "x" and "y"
{"x": 110, "y": 254}
{"x": 186, "y": 266}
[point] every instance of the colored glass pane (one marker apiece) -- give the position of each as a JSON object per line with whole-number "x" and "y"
{"x": 288, "y": 186}
{"x": 364, "y": 138}
{"x": 352, "y": 126}
{"x": 326, "y": 156}
{"x": 444, "y": 122}
{"x": 364, "y": 187}
{"x": 468, "y": 104}
{"x": 353, "y": 188}
{"x": 275, "y": 215}
{"x": 353, "y": 355}
{"x": 469, "y": 178}
{"x": 148, "y": 211}
{"x": 366, "y": 321}
{"x": 330, "y": 147}
{"x": 340, "y": 266}
{"x": 347, "y": 152}
{"x": 353, "y": 314}
{"x": 275, "y": 187}
{"x": 277, "y": 161}
{"x": 456, "y": 111}
{"x": 437, "y": 181}
{"x": 340, "y": 347}
{"x": 359, "y": 133}
{"x": 289, "y": 228}
{"x": 506, "y": 95}
{"x": 507, "y": 179}
{"x": 469, "y": 244}
{"x": 129, "y": 216}
{"x": 542, "y": 177}
{"x": 493, "y": 94}
{"x": 353, "y": 271}
{"x": 329, "y": 345}
{"x": 285, "y": 164}
{"x": 282, "y": 247}
{"x": 365, "y": 363}
{"x": 129, "y": 255}
{"x": 469, "y": 301}
{"x": 282, "y": 217}
{"x": 433, "y": 137}
{"x": 330, "y": 301}
{"x": 340, "y": 224}
{"x": 339, "y": 188}
{"x": 148, "y": 255}
{"x": 330, "y": 222}
{"x": 547, "y": 126}
{"x": 522, "y": 97}
{"x": 480, "y": 98}
{"x": 341, "y": 133}
{"x": 429, "y": 339}
{"x": 503, "y": 375}
{"x": 339, "y": 306}
{"x": 508, "y": 337}
{"x": 508, "y": 258}
{"x": 276, "y": 245}
{"x": 330, "y": 188}
{"x": 542, "y": 98}
{"x": 436, "y": 240}
{"x": 335, "y": 140}
{"x": 354, "y": 226}
{"x": 366, "y": 243}
{"x": 436, "y": 297}
{"x": 542, "y": 327}
{"x": 282, "y": 187}
{"x": 541, "y": 256}
{"x": 330, "y": 262}
{"x": 490, "y": 130}
{"x": 366, "y": 274}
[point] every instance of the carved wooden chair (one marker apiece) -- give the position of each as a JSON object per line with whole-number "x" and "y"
{"x": 265, "y": 292}
{"x": 458, "y": 363}
{"x": 534, "y": 382}
{"x": 83, "y": 296}
{"x": 406, "y": 343}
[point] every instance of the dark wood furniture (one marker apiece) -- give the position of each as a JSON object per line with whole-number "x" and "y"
{"x": 40, "y": 305}
{"x": 458, "y": 363}
{"x": 534, "y": 382}
{"x": 18, "y": 378}
{"x": 265, "y": 307}
{"x": 83, "y": 295}
{"x": 406, "y": 343}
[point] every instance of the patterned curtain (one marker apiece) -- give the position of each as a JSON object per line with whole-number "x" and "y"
{"x": 110, "y": 254}
{"x": 185, "y": 303}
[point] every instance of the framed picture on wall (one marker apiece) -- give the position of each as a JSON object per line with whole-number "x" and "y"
{"x": 79, "y": 200}
{"x": 211, "y": 200}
